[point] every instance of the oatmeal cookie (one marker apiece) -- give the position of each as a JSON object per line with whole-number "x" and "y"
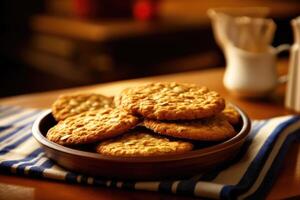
{"x": 142, "y": 144}
{"x": 171, "y": 101}
{"x": 73, "y": 104}
{"x": 215, "y": 128}
{"x": 231, "y": 114}
{"x": 92, "y": 126}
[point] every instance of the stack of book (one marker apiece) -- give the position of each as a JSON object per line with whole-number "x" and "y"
{"x": 67, "y": 42}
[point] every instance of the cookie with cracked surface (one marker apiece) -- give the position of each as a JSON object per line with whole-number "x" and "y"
{"x": 215, "y": 128}
{"x": 231, "y": 114}
{"x": 142, "y": 144}
{"x": 92, "y": 126}
{"x": 171, "y": 101}
{"x": 73, "y": 104}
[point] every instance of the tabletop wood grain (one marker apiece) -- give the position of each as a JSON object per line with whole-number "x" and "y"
{"x": 287, "y": 184}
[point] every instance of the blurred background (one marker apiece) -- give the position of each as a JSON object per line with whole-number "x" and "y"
{"x": 53, "y": 44}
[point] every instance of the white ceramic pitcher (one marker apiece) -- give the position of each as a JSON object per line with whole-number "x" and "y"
{"x": 252, "y": 74}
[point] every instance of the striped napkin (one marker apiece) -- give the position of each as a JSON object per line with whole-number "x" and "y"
{"x": 249, "y": 176}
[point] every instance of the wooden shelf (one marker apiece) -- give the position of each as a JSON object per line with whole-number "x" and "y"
{"x": 100, "y": 31}
{"x": 173, "y": 15}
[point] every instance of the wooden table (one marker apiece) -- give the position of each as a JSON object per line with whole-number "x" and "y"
{"x": 287, "y": 184}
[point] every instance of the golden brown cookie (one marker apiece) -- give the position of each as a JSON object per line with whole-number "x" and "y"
{"x": 215, "y": 128}
{"x": 142, "y": 144}
{"x": 73, "y": 104}
{"x": 92, "y": 126}
{"x": 231, "y": 114}
{"x": 171, "y": 101}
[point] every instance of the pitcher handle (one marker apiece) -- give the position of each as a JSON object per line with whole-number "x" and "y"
{"x": 281, "y": 48}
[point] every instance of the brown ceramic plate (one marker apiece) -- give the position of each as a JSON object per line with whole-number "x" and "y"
{"x": 143, "y": 168}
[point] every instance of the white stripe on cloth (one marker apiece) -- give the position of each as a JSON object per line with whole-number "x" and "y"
{"x": 271, "y": 157}
{"x": 21, "y": 152}
{"x": 174, "y": 186}
{"x": 4, "y": 110}
{"x": 7, "y": 131}
{"x": 9, "y": 111}
{"x": 8, "y": 120}
{"x": 15, "y": 166}
{"x": 208, "y": 189}
{"x": 24, "y": 122}
{"x": 37, "y": 164}
{"x": 108, "y": 183}
{"x": 55, "y": 172}
{"x": 12, "y": 139}
{"x": 90, "y": 180}
{"x": 119, "y": 184}
{"x": 78, "y": 179}
{"x": 233, "y": 174}
{"x": 27, "y": 120}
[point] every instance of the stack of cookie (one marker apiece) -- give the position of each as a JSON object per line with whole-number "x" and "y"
{"x": 175, "y": 115}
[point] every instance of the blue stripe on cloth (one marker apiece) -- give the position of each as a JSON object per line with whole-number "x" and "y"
{"x": 7, "y": 126}
{"x": 71, "y": 177}
{"x": 37, "y": 171}
{"x": 186, "y": 187}
{"x": 18, "y": 120}
{"x": 23, "y": 117}
{"x": 128, "y": 185}
{"x": 113, "y": 184}
{"x": 6, "y": 165}
{"x": 165, "y": 186}
{"x": 8, "y": 148}
{"x": 231, "y": 191}
{"x": 30, "y": 156}
{"x": 21, "y": 168}
{"x": 100, "y": 182}
{"x": 209, "y": 176}
{"x": 15, "y": 131}
{"x": 10, "y": 112}
{"x": 3, "y": 128}
{"x": 84, "y": 179}
{"x": 4, "y": 109}
{"x": 272, "y": 173}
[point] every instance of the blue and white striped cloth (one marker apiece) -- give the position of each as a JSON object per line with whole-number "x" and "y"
{"x": 249, "y": 176}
